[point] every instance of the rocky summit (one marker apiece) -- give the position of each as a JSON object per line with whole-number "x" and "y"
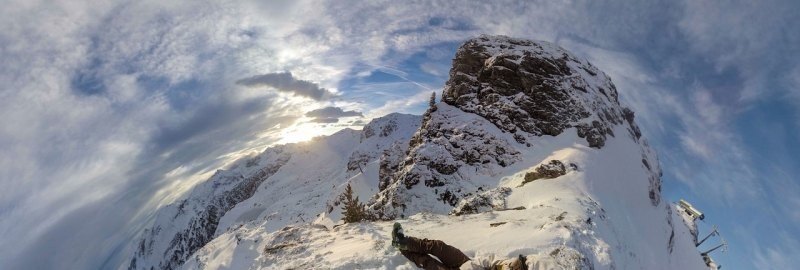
{"x": 525, "y": 89}
{"x": 535, "y": 88}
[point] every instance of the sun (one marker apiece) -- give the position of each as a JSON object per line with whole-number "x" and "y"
{"x": 305, "y": 131}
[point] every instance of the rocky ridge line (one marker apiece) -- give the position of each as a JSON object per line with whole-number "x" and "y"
{"x": 524, "y": 88}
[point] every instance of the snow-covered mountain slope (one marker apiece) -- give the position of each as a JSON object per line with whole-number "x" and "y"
{"x": 185, "y": 226}
{"x": 592, "y": 217}
{"x": 530, "y": 153}
{"x": 502, "y": 96}
{"x": 284, "y": 185}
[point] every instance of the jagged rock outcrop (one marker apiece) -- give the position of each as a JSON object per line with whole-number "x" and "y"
{"x": 382, "y": 128}
{"x": 524, "y": 89}
{"x": 534, "y": 87}
{"x": 449, "y": 144}
{"x": 550, "y": 170}
{"x": 493, "y": 199}
{"x": 390, "y": 161}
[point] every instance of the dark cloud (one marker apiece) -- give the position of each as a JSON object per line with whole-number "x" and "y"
{"x": 285, "y": 82}
{"x": 331, "y": 114}
{"x": 325, "y": 120}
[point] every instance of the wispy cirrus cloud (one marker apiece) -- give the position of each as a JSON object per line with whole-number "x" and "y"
{"x": 103, "y": 101}
{"x": 793, "y": 84}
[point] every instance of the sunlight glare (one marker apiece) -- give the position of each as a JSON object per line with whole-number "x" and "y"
{"x": 306, "y": 131}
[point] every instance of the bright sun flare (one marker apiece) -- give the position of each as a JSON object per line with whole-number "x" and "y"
{"x": 305, "y": 131}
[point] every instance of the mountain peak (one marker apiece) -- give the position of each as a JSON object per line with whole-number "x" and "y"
{"x": 534, "y": 87}
{"x": 504, "y": 99}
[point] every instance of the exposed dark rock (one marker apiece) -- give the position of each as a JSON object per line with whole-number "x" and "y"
{"x": 573, "y": 166}
{"x": 444, "y": 168}
{"x": 523, "y": 88}
{"x": 439, "y": 149}
{"x": 550, "y": 170}
{"x": 387, "y": 129}
{"x": 569, "y": 258}
{"x": 532, "y": 86}
{"x": 594, "y": 134}
{"x": 358, "y": 161}
{"x": 389, "y": 163}
{"x": 627, "y": 114}
{"x": 493, "y": 199}
{"x": 495, "y": 224}
{"x": 367, "y": 132}
{"x": 560, "y": 217}
{"x": 449, "y": 197}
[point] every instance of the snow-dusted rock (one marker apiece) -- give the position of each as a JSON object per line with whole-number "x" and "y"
{"x": 502, "y": 94}
{"x": 446, "y": 156}
{"x": 533, "y": 87}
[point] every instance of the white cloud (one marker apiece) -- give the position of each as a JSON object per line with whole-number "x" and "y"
{"x": 781, "y": 254}
{"x": 793, "y": 79}
{"x": 435, "y": 69}
{"x": 401, "y": 105}
{"x": 750, "y": 37}
{"x": 711, "y": 158}
{"x": 749, "y": 28}
{"x": 72, "y": 156}
{"x": 707, "y": 135}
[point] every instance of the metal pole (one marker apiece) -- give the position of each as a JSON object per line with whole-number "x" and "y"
{"x": 715, "y": 248}
{"x": 713, "y": 232}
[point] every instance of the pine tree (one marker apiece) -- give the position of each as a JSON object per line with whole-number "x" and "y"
{"x": 352, "y": 209}
{"x": 432, "y": 102}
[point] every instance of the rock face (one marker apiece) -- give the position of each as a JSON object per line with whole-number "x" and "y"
{"x": 533, "y": 87}
{"x": 436, "y": 171}
{"x": 513, "y": 91}
{"x": 550, "y": 170}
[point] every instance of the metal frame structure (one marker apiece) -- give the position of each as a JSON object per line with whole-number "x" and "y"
{"x": 693, "y": 212}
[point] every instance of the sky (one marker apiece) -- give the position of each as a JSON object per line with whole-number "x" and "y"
{"x": 109, "y": 109}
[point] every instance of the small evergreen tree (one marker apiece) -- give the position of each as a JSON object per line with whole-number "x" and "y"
{"x": 432, "y": 102}
{"x": 352, "y": 209}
